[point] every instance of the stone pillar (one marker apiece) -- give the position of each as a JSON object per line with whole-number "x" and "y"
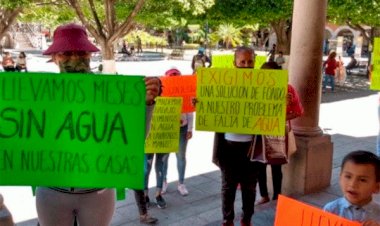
{"x": 310, "y": 168}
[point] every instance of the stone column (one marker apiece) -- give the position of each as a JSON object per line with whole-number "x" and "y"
{"x": 310, "y": 167}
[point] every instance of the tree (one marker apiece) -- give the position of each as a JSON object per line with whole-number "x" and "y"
{"x": 230, "y": 35}
{"x": 355, "y": 14}
{"x": 9, "y": 11}
{"x": 274, "y": 13}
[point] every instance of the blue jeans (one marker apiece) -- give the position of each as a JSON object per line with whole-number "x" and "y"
{"x": 378, "y": 136}
{"x": 159, "y": 167}
{"x": 329, "y": 79}
{"x": 181, "y": 156}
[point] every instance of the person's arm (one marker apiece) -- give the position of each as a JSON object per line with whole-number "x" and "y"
{"x": 192, "y": 63}
{"x": 190, "y": 122}
{"x": 371, "y": 223}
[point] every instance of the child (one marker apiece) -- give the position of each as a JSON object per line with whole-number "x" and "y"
{"x": 359, "y": 179}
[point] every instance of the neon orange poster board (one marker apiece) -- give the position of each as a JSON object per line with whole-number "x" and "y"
{"x": 295, "y": 213}
{"x": 180, "y": 86}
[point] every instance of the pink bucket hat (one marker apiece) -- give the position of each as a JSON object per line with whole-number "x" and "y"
{"x": 70, "y": 37}
{"x": 172, "y": 72}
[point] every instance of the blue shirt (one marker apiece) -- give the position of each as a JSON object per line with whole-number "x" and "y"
{"x": 345, "y": 209}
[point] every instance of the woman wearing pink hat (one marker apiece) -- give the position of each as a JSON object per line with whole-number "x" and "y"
{"x": 186, "y": 133}
{"x": 71, "y": 51}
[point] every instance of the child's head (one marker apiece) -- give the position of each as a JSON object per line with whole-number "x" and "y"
{"x": 360, "y": 177}
{"x": 244, "y": 57}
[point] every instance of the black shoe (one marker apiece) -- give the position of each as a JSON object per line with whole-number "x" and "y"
{"x": 160, "y": 202}
{"x": 146, "y": 219}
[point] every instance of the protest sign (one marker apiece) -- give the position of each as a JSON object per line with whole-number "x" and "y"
{"x": 295, "y": 213}
{"x": 180, "y": 86}
{"x": 164, "y": 130}
{"x": 72, "y": 130}
{"x": 227, "y": 61}
{"x": 375, "y": 77}
{"x": 243, "y": 101}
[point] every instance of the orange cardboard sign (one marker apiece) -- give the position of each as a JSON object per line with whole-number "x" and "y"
{"x": 180, "y": 86}
{"x": 295, "y": 213}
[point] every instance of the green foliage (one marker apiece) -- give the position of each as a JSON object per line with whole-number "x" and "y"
{"x": 230, "y": 35}
{"x": 146, "y": 38}
{"x": 361, "y": 12}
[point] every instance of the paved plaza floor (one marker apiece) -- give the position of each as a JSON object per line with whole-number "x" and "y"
{"x": 349, "y": 116}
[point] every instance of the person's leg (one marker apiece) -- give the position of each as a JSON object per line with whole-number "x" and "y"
{"x": 324, "y": 83}
{"x": 141, "y": 204}
{"x": 262, "y": 179}
{"x": 229, "y": 186}
{"x": 160, "y": 159}
{"x": 248, "y": 179}
{"x": 148, "y": 167}
{"x": 96, "y": 208}
{"x": 165, "y": 173}
{"x": 277, "y": 180}
{"x": 181, "y": 154}
{"x": 332, "y": 80}
{"x": 54, "y": 207}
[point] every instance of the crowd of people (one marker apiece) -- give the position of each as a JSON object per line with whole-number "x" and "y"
{"x": 239, "y": 156}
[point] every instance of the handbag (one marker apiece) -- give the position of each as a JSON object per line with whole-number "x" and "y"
{"x": 292, "y": 146}
{"x": 275, "y": 149}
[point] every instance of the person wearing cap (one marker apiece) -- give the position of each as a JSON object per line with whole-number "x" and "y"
{"x": 71, "y": 52}
{"x": 186, "y": 133}
{"x": 200, "y": 60}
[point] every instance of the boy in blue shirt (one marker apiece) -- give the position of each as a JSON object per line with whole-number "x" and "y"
{"x": 359, "y": 179}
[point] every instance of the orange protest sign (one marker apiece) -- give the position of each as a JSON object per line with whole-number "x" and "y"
{"x": 295, "y": 213}
{"x": 180, "y": 86}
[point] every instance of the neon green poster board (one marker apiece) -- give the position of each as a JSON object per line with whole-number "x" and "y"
{"x": 227, "y": 61}
{"x": 164, "y": 130}
{"x": 243, "y": 101}
{"x": 375, "y": 78}
{"x": 72, "y": 130}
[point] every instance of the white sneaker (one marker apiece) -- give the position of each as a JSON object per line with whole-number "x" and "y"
{"x": 182, "y": 190}
{"x": 164, "y": 187}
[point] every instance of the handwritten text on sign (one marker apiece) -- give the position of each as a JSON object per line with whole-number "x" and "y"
{"x": 180, "y": 86}
{"x": 375, "y": 78}
{"x": 164, "y": 131}
{"x": 292, "y": 212}
{"x": 241, "y": 100}
{"x": 72, "y": 130}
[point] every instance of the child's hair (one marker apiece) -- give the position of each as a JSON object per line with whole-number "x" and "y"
{"x": 364, "y": 157}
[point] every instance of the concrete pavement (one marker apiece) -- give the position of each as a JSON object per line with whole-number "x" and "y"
{"x": 349, "y": 115}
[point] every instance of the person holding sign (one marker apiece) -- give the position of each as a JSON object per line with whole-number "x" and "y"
{"x": 71, "y": 52}
{"x": 231, "y": 155}
{"x": 359, "y": 179}
{"x": 294, "y": 109}
{"x": 186, "y": 133}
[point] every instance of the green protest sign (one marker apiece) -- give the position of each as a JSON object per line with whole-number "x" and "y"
{"x": 243, "y": 101}
{"x": 72, "y": 130}
{"x": 164, "y": 130}
{"x": 227, "y": 61}
{"x": 375, "y": 77}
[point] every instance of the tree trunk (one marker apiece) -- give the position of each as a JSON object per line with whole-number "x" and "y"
{"x": 7, "y": 19}
{"x": 108, "y": 55}
{"x": 281, "y": 28}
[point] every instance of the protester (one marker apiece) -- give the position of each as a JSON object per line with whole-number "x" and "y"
{"x": 329, "y": 76}
{"x": 294, "y": 109}
{"x": 186, "y": 133}
{"x": 21, "y": 62}
{"x": 359, "y": 179}
{"x": 71, "y": 52}
{"x": 8, "y": 62}
{"x": 145, "y": 218}
{"x": 200, "y": 60}
{"x": 231, "y": 155}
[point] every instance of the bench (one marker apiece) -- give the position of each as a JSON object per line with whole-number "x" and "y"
{"x": 360, "y": 68}
{"x": 177, "y": 54}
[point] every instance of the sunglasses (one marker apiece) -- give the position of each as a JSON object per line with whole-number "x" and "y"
{"x": 73, "y": 53}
